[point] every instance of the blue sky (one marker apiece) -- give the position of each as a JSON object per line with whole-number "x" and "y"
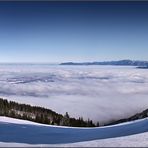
{"x": 73, "y": 31}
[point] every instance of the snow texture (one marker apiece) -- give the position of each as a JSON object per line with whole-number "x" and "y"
{"x": 16, "y": 132}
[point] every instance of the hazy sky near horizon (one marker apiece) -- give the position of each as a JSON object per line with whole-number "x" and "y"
{"x": 73, "y": 31}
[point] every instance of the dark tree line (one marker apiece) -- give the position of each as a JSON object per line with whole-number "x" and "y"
{"x": 40, "y": 115}
{"x": 143, "y": 114}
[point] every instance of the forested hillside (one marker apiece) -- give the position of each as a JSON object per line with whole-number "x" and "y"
{"x": 137, "y": 116}
{"x": 40, "y": 115}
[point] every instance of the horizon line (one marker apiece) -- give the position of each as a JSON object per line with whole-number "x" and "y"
{"x": 46, "y": 63}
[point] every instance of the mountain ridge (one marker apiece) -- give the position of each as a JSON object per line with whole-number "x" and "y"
{"x": 137, "y": 116}
{"x": 117, "y": 63}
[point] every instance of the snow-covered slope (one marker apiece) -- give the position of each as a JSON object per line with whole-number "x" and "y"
{"x": 14, "y": 132}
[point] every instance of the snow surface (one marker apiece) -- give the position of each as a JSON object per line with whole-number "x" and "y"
{"x": 14, "y": 132}
{"x": 107, "y": 92}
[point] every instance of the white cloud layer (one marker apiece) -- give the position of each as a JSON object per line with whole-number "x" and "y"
{"x": 101, "y": 93}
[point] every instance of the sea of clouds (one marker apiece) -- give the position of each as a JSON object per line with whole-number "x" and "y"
{"x": 100, "y": 93}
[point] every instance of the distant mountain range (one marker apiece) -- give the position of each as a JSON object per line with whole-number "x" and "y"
{"x": 140, "y": 64}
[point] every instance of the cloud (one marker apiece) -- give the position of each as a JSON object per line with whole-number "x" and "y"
{"x": 101, "y": 93}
